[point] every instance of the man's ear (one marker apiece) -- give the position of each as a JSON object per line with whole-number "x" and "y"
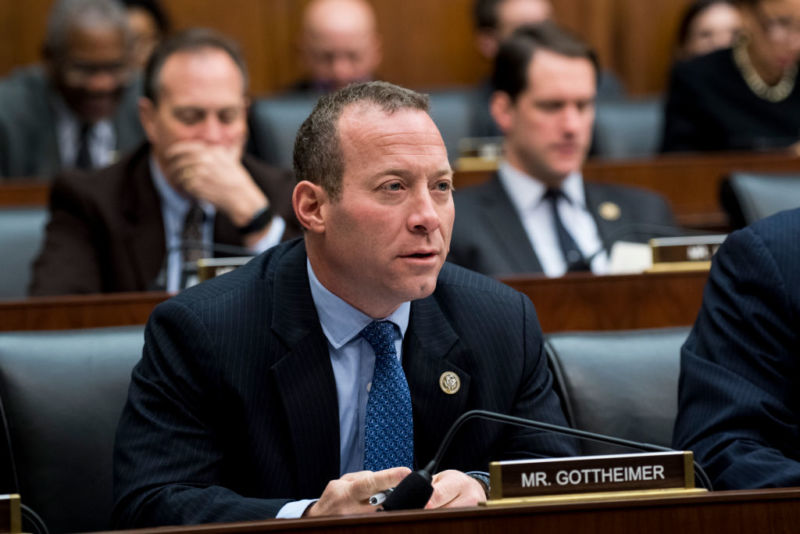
{"x": 487, "y": 44}
{"x": 147, "y": 117}
{"x": 502, "y": 110}
{"x": 308, "y": 201}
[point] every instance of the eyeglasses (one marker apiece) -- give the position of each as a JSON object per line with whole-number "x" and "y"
{"x": 79, "y": 72}
{"x": 779, "y": 28}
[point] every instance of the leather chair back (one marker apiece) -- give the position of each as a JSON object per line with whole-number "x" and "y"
{"x": 620, "y": 383}
{"x": 274, "y": 122}
{"x": 21, "y": 237}
{"x": 628, "y": 128}
{"x": 748, "y": 197}
{"x": 62, "y": 393}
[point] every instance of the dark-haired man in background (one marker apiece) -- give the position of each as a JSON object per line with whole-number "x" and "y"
{"x": 79, "y": 109}
{"x": 537, "y": 214}
{"x": 328, "y": 367}
{"x": 132, "y": 226}
{"x": 495, "y": 21}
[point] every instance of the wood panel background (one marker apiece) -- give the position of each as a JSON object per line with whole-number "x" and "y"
{"x": 427, "y": 43}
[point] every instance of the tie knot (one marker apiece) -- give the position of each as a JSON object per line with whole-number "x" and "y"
{"x": 380, "y": 335}
{"x": 553, "y": 194}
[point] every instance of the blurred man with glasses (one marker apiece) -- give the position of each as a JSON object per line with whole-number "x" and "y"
{"x": 78, "y": 109}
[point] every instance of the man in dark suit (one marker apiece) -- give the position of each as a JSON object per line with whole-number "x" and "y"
{"x": 132, "y": 226}
{"x": 537, "y": 214}
{"x": 738, "y": 398}
{"x": 495, "y": 21}
{"x": 79, "y": 108}
{"x": 267, "y": 387}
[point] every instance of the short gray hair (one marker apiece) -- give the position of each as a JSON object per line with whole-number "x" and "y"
{"x": 68, "y": 14}
{"x": 318, "y": 154}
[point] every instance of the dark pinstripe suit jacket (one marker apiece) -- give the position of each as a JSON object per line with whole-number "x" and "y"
{"x": 739, "y": 399}
{"x": 232, "y": 410}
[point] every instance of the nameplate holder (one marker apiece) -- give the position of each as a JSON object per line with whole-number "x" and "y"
{"x": 591, "y": 477}
{"x": 685, "y": 252}
{"x": 10, "y": 513}
{"x": 208, "y": 268}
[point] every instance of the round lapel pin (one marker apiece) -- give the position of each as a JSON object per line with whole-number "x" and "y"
{"x": 449, "y": 382}
{"x": 609, "y": 211}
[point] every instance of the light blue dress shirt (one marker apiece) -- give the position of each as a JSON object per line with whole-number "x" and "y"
{"x": 353, "y": 362}
{"x": 174, "y": 208}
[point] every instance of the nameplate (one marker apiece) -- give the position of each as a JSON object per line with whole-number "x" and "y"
{"x": 10, "y": 513}
{"x": 686, "y": 249}
{"x": 208, "y": 268}
{"x": 608, "y": 473}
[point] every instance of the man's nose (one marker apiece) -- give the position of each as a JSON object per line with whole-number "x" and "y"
{"x": 212, "y": 130}
{"x": 102, "y": 82}
{"x": 424, "y": 216}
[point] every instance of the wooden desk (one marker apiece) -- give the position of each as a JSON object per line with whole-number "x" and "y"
{"x": 24, "y": 193}
{"x": 689, "y": 182}
{"x": 586, "y": 302}
{"x": 78, "y": 311}
{"x": 575, "y": 302}
{"x": 734, "y": 512}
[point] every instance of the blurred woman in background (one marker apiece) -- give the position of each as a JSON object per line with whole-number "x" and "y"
{"x": 744, "y": 97}
{"x": 707, "y": 25}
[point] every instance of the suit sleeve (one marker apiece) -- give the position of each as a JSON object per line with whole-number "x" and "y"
{"x": 68, "y": 262}
{"x": 169, "y": 464}
{"x": 536, "y": 399}
{"x": 738, "y": 396}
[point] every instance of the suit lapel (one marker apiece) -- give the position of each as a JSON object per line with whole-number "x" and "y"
{"x": 432, "y": 348}
{"x": 511, "y": 240}
{"x": 304, "y": 376}
{"x": 143, "y": 233}
{"x": 606, "y": 228}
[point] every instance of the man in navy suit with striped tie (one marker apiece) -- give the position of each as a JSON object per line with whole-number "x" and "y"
{"x": 328, "y": 367}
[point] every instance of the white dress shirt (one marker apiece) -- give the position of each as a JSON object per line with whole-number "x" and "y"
{"x": 101, "y": 137}
{"x": 527, "y": 196}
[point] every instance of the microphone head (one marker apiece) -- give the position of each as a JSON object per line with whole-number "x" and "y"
{"x": 413, "y": 492}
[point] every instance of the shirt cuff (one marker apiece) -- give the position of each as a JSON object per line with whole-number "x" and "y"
{"x": 294, "y": 509}
{"x": 273, "y": 237}
{"x": 483, "y": 477}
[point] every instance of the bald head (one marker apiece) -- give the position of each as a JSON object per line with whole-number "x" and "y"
{"x": 495, "y": 20}
{"x": 340, "y": 42}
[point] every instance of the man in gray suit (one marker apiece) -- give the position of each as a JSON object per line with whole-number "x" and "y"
{"x": 78, "y": 109}
{"x": 537, "y": 214}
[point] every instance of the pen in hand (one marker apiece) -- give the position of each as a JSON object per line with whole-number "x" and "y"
{"x": 380, "y": 497}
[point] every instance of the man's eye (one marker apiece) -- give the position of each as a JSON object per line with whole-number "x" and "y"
{"x": 228, "y": 116}
{"x": 393, "y": 186}
{"x": 444, "y": 186}
{"x": 190, "y": 116}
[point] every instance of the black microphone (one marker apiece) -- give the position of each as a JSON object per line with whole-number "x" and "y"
{"x": 411, "y": 491}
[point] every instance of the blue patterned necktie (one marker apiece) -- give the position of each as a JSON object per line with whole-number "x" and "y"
{"x": 389, "y": 432}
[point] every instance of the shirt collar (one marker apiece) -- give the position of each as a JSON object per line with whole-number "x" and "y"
{"x": 340, "y": 321}
{"x": 527, "y": 192}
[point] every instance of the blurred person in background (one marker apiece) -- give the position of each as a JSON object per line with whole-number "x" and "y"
{"x": 339, "y": 45}
{"x": 538, "y": 214}
{"x": 707, "y": 25}
{"x": 78, "y": 109}
{"x": 188, "y": 193}
{"x": 744, "y": 97}
{"x": 496, "y": 20}
{"x": 149, "y": 24}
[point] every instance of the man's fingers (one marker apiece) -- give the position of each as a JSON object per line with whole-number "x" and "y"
{"x": 455, "y": 489}
{"x": 366, "y": 486}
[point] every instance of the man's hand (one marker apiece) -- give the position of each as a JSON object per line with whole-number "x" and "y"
{"x": 454, "y": 489}
{"x": 350, "y": 494}
{"x": 215, "y": 174}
